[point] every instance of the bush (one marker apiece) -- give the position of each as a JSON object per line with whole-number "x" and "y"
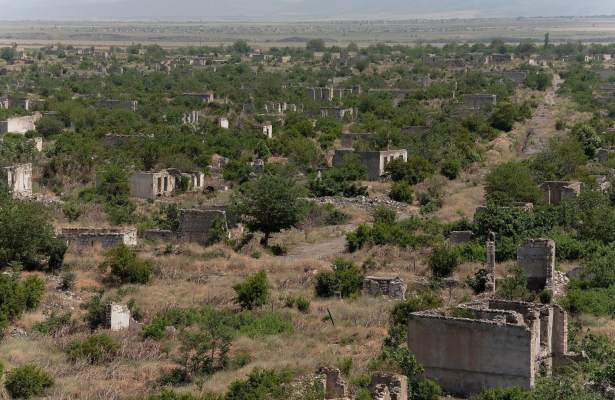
{"x": 32, "y": 289}
{"x": 96, "y": 311}
{"x": 126, "y": 267}
{"x": 17, "y": 296}
{"x": 384, "y": 215}
{"x": 346, "y": 279}
{"x": 253, "y": 292}
{"x": 426, "y": 389}
{"x": 513, "y": 287}
{"x": 303, "y": 304}
{"x": 402, "y": 192}
{"x": 443, "y": 261}
{"x": 53, "y": 324}
{"x": 27, "y": 381}
{"x": 68, "y": 281}
{"x": 501, "y": 394}
{"x": 345, "y": 365}
{"x": 478, "y": 282}
{"x": 262, "y": 384}
{"x": 176, "y": 376}
{"x": 451, "y": 169}
{"x": 96, "y": 349}
{"x": 71, "y": 211}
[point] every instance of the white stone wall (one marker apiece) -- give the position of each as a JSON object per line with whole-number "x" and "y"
{"x": 119, "y": 317}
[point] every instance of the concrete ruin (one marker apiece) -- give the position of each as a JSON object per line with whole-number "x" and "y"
{"x": 479, "y": 101}
{"x": 490, "y": 264}
{"x": 488, "y": 344}
{"x": 555, "y": 192}
{"x": 128, "y": 105}
{"x": 374, "y": 161}
{"x": 103, "y": 237}
{"x": 195, "y": 224}
{"x": 339, "y": 113}
{"x": 118, "y": 317}
{"x": 536, "y": 257}
{"x": 460, "y": 237}
{"x": 393, "y": 287}
{"x": 150, "y": 185}
{"x": 351, "y": 139}
{"x": 162, "y": 235}
{"x": 384, "y": 386}
{"x": 332, "y": 383}
{"x": 18, "y": 180}
{"x": 19, "y": 125}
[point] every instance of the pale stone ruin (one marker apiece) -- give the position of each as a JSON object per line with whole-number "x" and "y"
{"x": 393, "y": 287}
{"x": 385, "y": 386}
{"x": 150, "y": 185}
{"x": 557, "y": 191}
{"x": 490, "y": 265}
{"x": 18, "y": 180}
{"x": 351, "y": 139}
{"x": 374, "y": 161}
{"x": 339, "y": 113}
{"x": 103, "y": 237}
{"x": 332, "y": 383}
{"x": 223, "y": 123}
{"x": 20, "y": 125}
{"x": 488, "y": 344}
{"x": 536, "y": 257}
{"x": 111, "y": 104}
{"x": 118, "y": 317}
{"x": 459, "y": 237}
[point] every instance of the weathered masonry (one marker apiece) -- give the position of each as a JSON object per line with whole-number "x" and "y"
{"x": 19, "y": 125}
{"x": 149, "y": 185}
{"x": 374, "y": 161}
{"x": 18, "y": 180}
{"x": 556, "y": 191}
{"x": 103, "y": 237}
{"x": 195, "y": 224}
{"x": 393, "y": 287}
{"x": 536, "y": 257}
{"x": 488, "y": 344}
{"x": 479, "y": 101}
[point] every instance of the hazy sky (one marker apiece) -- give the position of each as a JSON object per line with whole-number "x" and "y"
{"x": 275, "y": 9}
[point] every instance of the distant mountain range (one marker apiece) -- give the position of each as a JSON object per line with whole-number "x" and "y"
{"x": 298, "y": 9}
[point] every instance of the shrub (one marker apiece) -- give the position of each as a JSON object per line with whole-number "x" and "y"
{"x": 303, "y": 304}
{"x": 96, "y": 349}
{"x": 217, "y": 231}
{"x": 262, "y": 384}
{"x": 96, "y": 311}
{"x": 546, "y": 296}
{"x": 345, "y": 279}
{"x": 402, "y": 192}
{"x": 501, "y": 394}
{"x": 71, "y": 211}
{"x": 426, "y": 389}
{"x": 513, "y": 287}
{"x": 68, "y": 281}
{"x": 384, "y": 215}
{"x": 126, "y": 267}
{"x": 253, "y": 292}
{"x": 33, "y": 289}
{"x": 478, "y": 282}
{"x": 345, "y": 365}
{"x": 443, "y": 261}
{"x": 18, "y": 296}
{"x": 53, "y": 323}
{"x": 176, "y": 376}
{"x": 451, "y": 169}
{"x": 27, "y": 381}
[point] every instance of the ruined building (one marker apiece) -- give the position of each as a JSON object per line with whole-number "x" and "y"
{"x": 536, "y": 257}
{"x": 374, "y": 161}
{"x": 150, "y": 185}
{"x": 103, "y": 237}
{"x": 489, "y": 344}
{"x": 18, "y": 180}
{"x": 393, "y": 287}
{"x": 195, "y": 224}
{"x": 19, "y": 125}
{"x": 556, "y": 191}
{"x": 384, "y": 386}
{"x": 479, "y": 101}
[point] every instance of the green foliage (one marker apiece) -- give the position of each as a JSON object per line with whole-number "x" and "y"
{"x": 399, "y": 314}
{"x": 451, "y": 169}
{"x": 262, "y": 384}
{"x": 96, "y": 349}
{"x": 170, "y": 395}
{"x": 501, "y": 394}
{"x": 27, "y": 381}
{"x": 96, "y": 311}
{"x": 478, "y": 282}
{"x": 409, "y": 233}
{"x": 384, "y": 215}
{"x": 71, "y": 211}
{"x": 53, "y": 324}
{"x": 414, "y": 171}
{"x": 253, "y": 292}
{"x": 345, "y": 365}
{"x": 341, "y": 179}
{"x": 402, "y": 192}
{"x": 443, "y": 261}
{"x": 512, "y": 182}
{"x": 513, "y": 287}
{"x": 49, "y": 126}
{"x": 539, "y": 80}
{"x": 270, "y": 203}
{"x": 206, "y": 351}
{"x": 126, "y": 267}
{"x": 18, "y": 296}
{"x": 113, "y": 189}
{"x": 218, "y": 231}
{"x": 346, "y": 279}
{"x": 27, "y": 236}
{"x": 303, "y": 304}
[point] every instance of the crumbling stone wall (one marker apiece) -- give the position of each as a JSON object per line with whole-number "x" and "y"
{"x": 162, "y": 235}
{"x": 18, "y": 179}
{"x": 392, "y": 386}
{"x": 195, "y": 224}
{"x": 332, "y": 383}
{"x": 459, "y": 237}
{"x": 104, "y": 237}
{"x": 118, "y": 317}
{"x": 479, "y": 101}
{"x": 394, "y": 288}
{"x": 555, "y": 192}
{"x": 19, "y": 125}
{"x": 537, "y": 259}
{"x": 374, "y": 161}
{"x": 150, "y": 185}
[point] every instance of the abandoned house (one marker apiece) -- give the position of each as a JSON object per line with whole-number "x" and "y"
{"x": 393, "y": 287}
{"x": 339, "y": 113}
{"x": 103, "y": 237}
{"x": 18, "y": 180}
{"x": 206, "y": 97}
{"x": 351, "y": 139}
{"x": 266, "y": 128}
{"x": 459, "y": 237}
{"x": 374, "y": 161}
{"x": 129, "y": 105}
{"x": 488, "y": 344}
{"x": 385, "y": 386}
{"x": 479, "y": 101}
{"x": 556, "y": 191}
{"x": 223, "y": 123}
{"x": 150, "y": 185}
{"x": 19, "y": 125}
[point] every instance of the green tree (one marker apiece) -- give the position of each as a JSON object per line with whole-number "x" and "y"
{"x": 270, "y": 203}
{"x": 512, "y": 182}
{"x": 315, "y": 45}
{"x": 27, "y": 381}
{"x": 126, "y": 267}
